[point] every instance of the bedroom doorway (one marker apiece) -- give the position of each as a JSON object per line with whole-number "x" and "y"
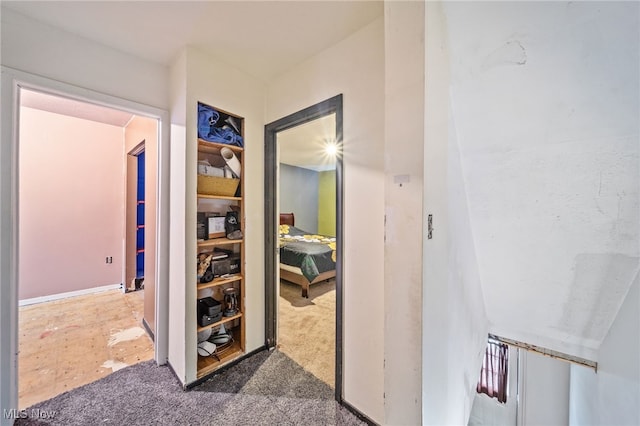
{"x": 303, "y": 223}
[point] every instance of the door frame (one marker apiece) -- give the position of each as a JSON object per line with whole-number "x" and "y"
{"x": 131, "y": 212}
{"x": 321, "y": 109}
{"x": 12, "y": 81}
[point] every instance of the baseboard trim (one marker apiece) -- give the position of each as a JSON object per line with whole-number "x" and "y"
{"x": 52, "y": 297}
{"x": 203, "y": 379}
{"x": 145, "y": 324}
{"x": 357, "y": 413}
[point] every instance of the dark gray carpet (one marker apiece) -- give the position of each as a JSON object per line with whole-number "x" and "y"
{"x": 265, "y": 389}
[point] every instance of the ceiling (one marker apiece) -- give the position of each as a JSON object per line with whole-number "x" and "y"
{"x": 305, "y": 145}
{"x": 73, "y": 108}
{"x": 290, "y": 31}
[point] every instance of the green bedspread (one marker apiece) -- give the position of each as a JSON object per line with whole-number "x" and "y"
{"x": 312, "y": 253}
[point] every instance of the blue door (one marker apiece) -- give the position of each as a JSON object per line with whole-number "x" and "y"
{"x": 140, "y": 221}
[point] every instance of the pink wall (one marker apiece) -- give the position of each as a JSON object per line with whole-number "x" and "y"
{"x": 71, "y": 213}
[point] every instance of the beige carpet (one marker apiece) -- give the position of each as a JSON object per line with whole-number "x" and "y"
{"x": 306, "y": 328}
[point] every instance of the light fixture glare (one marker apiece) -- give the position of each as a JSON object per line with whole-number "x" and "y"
{"x": 331, "y": 149}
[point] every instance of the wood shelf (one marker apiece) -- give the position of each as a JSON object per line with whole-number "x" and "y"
{"x": 219, "y": 197}
{"x": 224, "y": 320}
{"x": 208, "y": 364}
{"x": 218, "y": 242}
{"x": 214, "y": 148}
{"x": 207, "y": 202}
{"x": 220, "y": 281}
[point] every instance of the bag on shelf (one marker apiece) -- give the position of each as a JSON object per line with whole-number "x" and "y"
{"x": 212, "y": 129}
{"x": 205, "y": 270}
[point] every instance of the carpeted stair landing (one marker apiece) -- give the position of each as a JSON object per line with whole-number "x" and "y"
{"x": 266, "y": 389}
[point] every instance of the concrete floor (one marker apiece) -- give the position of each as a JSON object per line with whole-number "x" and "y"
{"x": 68, "y": 343}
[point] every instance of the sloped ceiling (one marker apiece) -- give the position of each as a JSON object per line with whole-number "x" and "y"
{"x": 546, "y": 103}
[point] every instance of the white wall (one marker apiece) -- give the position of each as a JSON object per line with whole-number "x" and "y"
{"x": 195, "y": 78}
{"x": 299, "y": 194}
{"x": 454, "y": 319}
{"x": 177, "y": 212}
{"x": 40, "y": 49}
{"x": 544, "y": 390}
{"x": 547, "y": 99}
{"x": 403, "y": 160}
{"x": 611, "y": 396}
{"x": 353, "y": 67}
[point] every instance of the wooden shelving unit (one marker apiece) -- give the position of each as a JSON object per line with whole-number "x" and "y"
{"x": 235, "y": 323}
{"x": 220, "y": 281}
{"x": 224, "y": 320}
{"x": 214, "y": 147}
{"x": 217, "y": 242}
{"x": 219, "y": 197}
{"x": 207, "y": 365}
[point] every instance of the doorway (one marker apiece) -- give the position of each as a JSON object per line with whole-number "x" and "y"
{"x": 135, "y": 219}
{"x": 14, "y": 81}
{"x": 71, "y": 228}
{"x": 139, "y": 282}
{"x": 329, "y": 107}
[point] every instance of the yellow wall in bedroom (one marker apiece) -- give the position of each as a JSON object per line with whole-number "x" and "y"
{"x": 327, "y": 203}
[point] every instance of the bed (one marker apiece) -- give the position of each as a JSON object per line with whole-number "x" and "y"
{"x": 305, "y": 258}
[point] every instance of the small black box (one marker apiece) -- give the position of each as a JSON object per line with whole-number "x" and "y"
{"x": 209, "y": 319}
{"x": 234, "y": 264}
{"x": 209, "y": 306}
{"x": 203, "y": 230}
{"x": 220, "y": 267}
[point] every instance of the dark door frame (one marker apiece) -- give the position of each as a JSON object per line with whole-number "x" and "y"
{"x": 329, "y": 106}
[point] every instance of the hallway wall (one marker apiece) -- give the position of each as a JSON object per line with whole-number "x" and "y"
{"x": 353, "y": 67}
{"x": 38, "y": 48}
{"x": 198, "y": 77}
{"x": 454, "y": 319}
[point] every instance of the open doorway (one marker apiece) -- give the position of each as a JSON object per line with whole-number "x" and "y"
{"x": 135, "y": 219}
{"x": 75, "y": 323}
{"x": 304, "y": 238}
{"x": 307, "y": 240}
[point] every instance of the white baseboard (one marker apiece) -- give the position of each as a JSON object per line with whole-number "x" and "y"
{"x": 68, "y": 294}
